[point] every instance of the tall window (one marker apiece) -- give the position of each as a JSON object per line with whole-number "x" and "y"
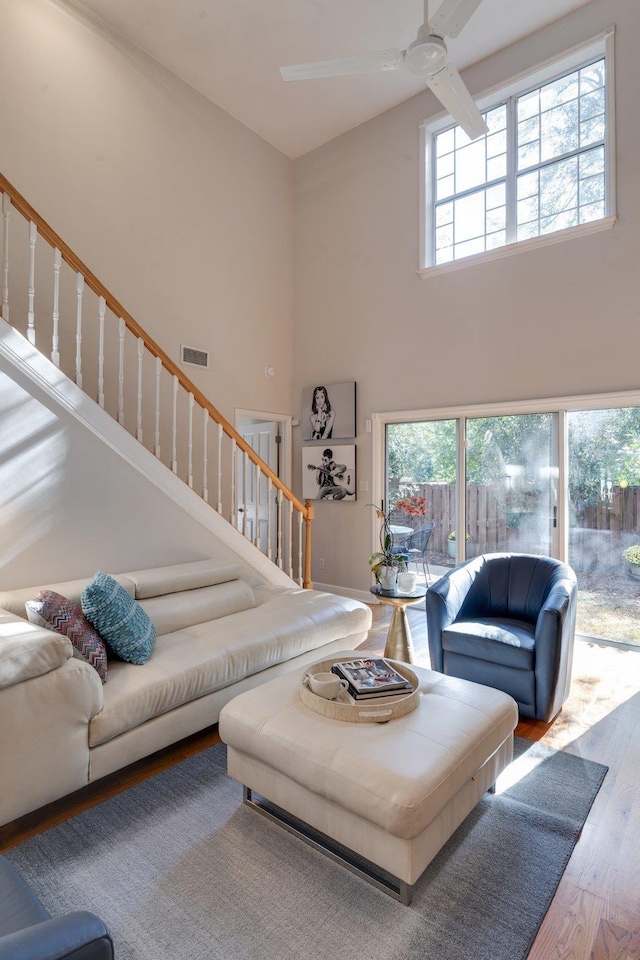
{"x": 541, "y": 168}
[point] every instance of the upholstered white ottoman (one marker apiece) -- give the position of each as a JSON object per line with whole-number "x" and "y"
{"x": 392, "y": 793}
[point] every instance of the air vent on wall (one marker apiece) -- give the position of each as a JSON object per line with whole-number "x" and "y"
{"x": 196, "y": 358}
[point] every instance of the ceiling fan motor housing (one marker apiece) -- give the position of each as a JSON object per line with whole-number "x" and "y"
{"x": 426, "y": 55}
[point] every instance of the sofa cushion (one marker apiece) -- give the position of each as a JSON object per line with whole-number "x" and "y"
{"x": 159, "y": 581}
{"x": 55, "y": 612}
{"x": 14, "y": 600}
{"x": 206, "y": 657}
{"x": 118, "y": 618}
{"x": 176, "y": 611}
{"x": 498, "y": 639}
{"x": 27, "y": 651}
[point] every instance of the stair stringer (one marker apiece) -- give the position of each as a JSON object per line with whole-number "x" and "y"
{"x": 33, "y": 365}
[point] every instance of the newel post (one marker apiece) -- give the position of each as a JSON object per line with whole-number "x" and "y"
{"x": 308, "y": 520}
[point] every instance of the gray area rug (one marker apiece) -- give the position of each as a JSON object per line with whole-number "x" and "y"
{"x": 180, "y": 870}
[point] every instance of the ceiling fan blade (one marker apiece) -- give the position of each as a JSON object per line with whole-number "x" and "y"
{"x": 451, "y": 16}
{"x": 452, "y": 93}
{"x": 345, "y": 66}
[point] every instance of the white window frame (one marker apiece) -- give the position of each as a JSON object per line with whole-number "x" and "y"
{"x": 578, "y": 56}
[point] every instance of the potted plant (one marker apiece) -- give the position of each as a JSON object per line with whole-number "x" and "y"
{"x": 451, "y": 543}
{"x": 631, "y": 556}
{"x": 384, "y": 562}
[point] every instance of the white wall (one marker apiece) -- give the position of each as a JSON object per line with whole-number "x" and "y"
{"x": 182, "y": 212}
{"x": 557, "y": 321}
{"x": 70, "y": 506}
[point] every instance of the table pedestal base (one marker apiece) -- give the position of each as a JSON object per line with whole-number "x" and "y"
{"x": 399, "y": 643}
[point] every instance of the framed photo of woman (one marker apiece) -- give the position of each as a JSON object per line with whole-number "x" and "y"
{"x": 329, "y": 411}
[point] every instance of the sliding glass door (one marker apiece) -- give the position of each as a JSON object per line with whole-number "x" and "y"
{"x": 511, "y": 484}
{"x": 562, "y": 482}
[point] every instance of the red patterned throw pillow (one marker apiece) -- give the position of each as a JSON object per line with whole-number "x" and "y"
{"x": 57, "y": 613}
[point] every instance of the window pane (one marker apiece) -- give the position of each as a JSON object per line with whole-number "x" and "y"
{"x": 444, "y": 236}
{"x": 592, "y": 105}
{"x": 560, "y": 91}
{"x": 559, "y": 131}
{"x": 529, "y": 105}
{"x": 559, "y": 187}
{"x": 496, "y": 119}
{"x": 591, "y": 131}
{"x": 470, "y": 247}
{"x": 470, "y": 165}
{"x": 497, "y": 143}
{"x": 496, "y": 219}
{"x": 592, "y": 211}
{"x": 495, "y": 196}
{"x": 528, "y": 130}
{"x": 592, "y": 162}
{"x": 469, "y": 217}
{"x": 444, "y": 255}
{"x": 529, "y": 155}
{"x": 496, "y": 240}
{"x": 592, "y": 78}
{"x": 445, "y": 142}
{"x": 592, "y": 189}
{"x": 528, "y": 185}
{"x": 561, "y": 221}
{"x": 528, "y": 230}
{"x": 444, "y": 188}
{"x": 445, "y": 165}
{"x": 444, "y": 214}
{"x": 528, "y": 210}
{"x": 497, "y": 167}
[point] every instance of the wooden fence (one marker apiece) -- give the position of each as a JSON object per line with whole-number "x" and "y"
{"x": 498, "y": 519}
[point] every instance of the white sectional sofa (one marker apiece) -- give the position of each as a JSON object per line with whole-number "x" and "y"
{"x": 61, "y": 727}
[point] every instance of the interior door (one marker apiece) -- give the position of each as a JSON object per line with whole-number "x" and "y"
{"x": 255, "y": 503}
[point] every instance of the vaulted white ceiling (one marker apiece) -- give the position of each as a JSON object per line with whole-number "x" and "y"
{"x": 230, "y": 50}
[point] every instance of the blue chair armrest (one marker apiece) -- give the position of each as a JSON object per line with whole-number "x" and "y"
{"x": 444, "y": 602}
{"x": 80, "y": 935}
{"x": 554, "y": 633}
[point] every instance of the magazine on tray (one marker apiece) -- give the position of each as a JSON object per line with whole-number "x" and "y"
{"x": 371, "y": 677}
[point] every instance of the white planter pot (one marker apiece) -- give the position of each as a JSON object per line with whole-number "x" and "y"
{"x": 388, "y": 577}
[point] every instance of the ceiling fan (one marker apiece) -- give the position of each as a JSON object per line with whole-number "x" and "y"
{"x": 426, "y": 57}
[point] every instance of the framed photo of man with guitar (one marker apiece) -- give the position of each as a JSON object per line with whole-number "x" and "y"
{"x": 329, "y": 472}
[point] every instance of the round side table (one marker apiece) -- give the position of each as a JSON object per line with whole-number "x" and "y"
{"x": 399, "y": 644}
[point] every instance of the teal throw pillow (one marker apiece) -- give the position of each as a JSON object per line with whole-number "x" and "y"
{"x": 118, "y": 618}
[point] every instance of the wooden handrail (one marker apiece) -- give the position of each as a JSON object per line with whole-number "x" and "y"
{"x": 52, "y": 238}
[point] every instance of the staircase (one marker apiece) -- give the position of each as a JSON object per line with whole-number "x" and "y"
{"x": 72, "y": 319}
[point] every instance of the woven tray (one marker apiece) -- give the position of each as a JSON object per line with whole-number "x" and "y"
{"x": 375, "y": 710}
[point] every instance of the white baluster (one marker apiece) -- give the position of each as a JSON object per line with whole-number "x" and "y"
{"x": 102, "y": 309}
{"x": 79, "y": 294}
{"x": 269, "y": 492}
{"x": 300, "y": 535}
{"x": 245, "y": 484}
{"x": 31, "y": 319}
{"x": 290, "y": 544}
{"x": 256, "y": 522}
{"x": 55, "y": 338}
{"x": 205, "y": 460}
{"x": 190, "y": 443}
{"x": 219, "y": 478}
{"x": 6, "y": 209}
{"x": 139, "y": 416}
{"x": 279, "y": 531}
{"x": 121, "y": 332}
{"x": 174, "y": 427}
{"x": 156, "y": 448}
{"x": 234, "y": 514}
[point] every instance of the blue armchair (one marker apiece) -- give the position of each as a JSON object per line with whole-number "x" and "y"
{"x": 507, "y": 620}
{"x": 27, "y": 932}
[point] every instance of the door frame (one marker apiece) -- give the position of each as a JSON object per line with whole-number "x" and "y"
{"x": 262, "y": 416}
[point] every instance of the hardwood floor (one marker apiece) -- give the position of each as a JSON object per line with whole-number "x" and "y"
{"x": 595, "y": 914}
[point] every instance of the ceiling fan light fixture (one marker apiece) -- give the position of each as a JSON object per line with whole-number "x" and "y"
{"x": 426, "y": 56}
